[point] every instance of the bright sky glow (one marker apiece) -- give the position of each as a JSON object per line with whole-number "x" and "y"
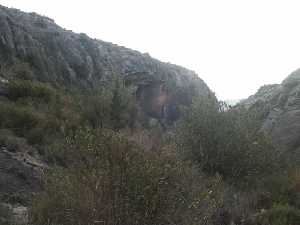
{"x": 234, "y": 45}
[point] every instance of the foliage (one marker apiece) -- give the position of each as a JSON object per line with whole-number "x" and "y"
{"x": 12, "y": 142}
{"x": 19, "y": 88}
{"x": 96, "y": 108}
{"x": 225, "y": 141}
{"x": 17, "y": 70}
{"x": 279, "y": 215}
{"x": 112, "y": 106}
{"x": 19, "y": 119}
{"x": 5, "y": 215}
{"x": 216, "y": 168}
{"x": 122, "y": 184}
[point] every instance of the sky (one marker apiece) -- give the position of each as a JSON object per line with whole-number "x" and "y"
{"x": 235, "y": 46}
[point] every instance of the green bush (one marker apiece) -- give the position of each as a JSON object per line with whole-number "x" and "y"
{"x": 226, "y": 141}
{"x": 12, "y": 142}
{"x": 27, "y": 122}
{"x": 5, "y": 215}
{"x": 95, "y": 108}
{"x": 112, "y": 181}
{"x": 17, "y": 118}
{"x": 17, "y": 70}
{"x": 18, "y": 88}
{"x": 280, "y": 215}
{"x": 112, "y": 106}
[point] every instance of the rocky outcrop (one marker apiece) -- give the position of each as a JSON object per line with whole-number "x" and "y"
{"x": 281, "y": 106}
{"x": 19, "y": 176}
{"x": 60, "y": 56}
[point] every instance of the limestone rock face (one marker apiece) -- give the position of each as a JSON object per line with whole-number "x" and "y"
{"x": 281, "y": 103}
{"x": 63, "y": 57}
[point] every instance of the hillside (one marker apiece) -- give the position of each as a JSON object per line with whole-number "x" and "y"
{"x": 281, "y": 106}
{"x": 52, "y": 79}
{"x": 95, "y": 133}
{"x": 62, "y": 57}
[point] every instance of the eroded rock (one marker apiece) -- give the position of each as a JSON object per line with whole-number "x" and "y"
{"x": 282, "y": 105}
{"x": 63, "y": 57}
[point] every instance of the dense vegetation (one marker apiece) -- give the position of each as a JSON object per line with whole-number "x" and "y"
{"x": 111, "y": 165}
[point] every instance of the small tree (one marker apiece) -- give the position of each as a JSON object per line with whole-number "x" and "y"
{"x": 225, "y": 141}
{"x": 123, "y": 106}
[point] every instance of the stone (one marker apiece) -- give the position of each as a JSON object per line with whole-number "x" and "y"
{"x": 63, "y": 57}
{"x": 20, "y": 176}
{"x": 282, "y": 105}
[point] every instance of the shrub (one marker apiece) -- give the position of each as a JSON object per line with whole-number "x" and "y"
{"x": 5, "y": 215}
{"x": 17, "y": 70}
{"x": 112, "y": 106}
{"x": 17, "y": 118}
{"x": 95, "y": 108}
{"x": 280, "y": 215}
{"x": 112, "y": 181}
{"x": 12, "y": 142}
{"x": 27, "y": 122}
{"x": 30, "y": 89}
{"x": 225, "y": 141}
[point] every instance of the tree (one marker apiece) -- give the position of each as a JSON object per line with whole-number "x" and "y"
{"x": 226, "y": 141}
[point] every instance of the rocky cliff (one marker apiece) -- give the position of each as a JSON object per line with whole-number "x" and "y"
{"x": 281, "y": 106}
{"x": 61, "y": 57}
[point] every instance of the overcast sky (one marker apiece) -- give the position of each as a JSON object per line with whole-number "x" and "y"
{"x": 234, "y": 45}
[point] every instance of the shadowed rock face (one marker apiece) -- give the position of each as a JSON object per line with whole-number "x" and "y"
{"x": 19, "y": 176}
{"x": 154, "y": 99}
{"x": 63, "y": 57}
{"x": 282, "y": 105}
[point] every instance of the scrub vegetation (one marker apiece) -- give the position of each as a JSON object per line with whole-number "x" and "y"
{"x": 109, "y": 164}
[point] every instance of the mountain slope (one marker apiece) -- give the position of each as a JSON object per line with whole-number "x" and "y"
{"x": 60, "y": 55}
{"x": 59, "y": 59}
{"x": 65, "y": 58}
{"x": 281, "y": 106}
